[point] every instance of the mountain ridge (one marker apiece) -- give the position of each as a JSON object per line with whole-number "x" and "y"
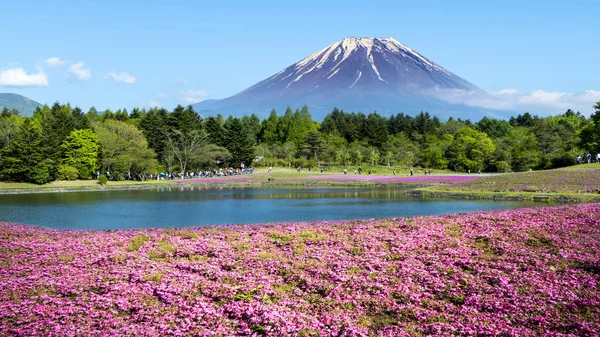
{"x": 25, "y": 105}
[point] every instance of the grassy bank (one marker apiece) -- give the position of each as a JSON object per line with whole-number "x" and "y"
{"x": 279, "y": 177}
{"x": 574, "y": 183}
{"x": 516, "y": 273}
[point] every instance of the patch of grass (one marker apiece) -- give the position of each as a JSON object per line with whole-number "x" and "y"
{"x": 379, "y": 319}
{"x": 299, "y": 249}
{"x": 281, "y": 238}
{"x": 66, "y": 257}
{"x": 283, "y": 288}
{"x": 248, "y": 295}
{"x": 156, "y": 277}
{"x": 395, "y": 257}
{"x": 137, "y": 242}
{"x": 165, "y": 249}
{"x": 265, "y": 256}
{"x": 199, "y": 257}
{"x": 354, "y": 270}
{"x": 118, "y": 258}
{"x": 357, "y": 251}
{"x": 310, "y": 236}
{"x": 242, "y": 246}
{"x": 187, "y": 234}
{"x": 12, "y": 251}
{"x": 307, "y": 332}
{"x": 538, "y": 241}
{"x": 453, "y": 230}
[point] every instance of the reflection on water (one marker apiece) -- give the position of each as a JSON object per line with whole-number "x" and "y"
{"x": 182, "y": 206}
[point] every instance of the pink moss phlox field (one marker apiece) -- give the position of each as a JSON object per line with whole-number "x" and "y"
{"x": 234, "y": 179}
{"x": 386, "y": 179}
{"x": 551, "y": 181}
{"x": 511, "y": 273}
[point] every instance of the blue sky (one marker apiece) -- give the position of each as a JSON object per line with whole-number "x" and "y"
{"x": 112, "y": 54}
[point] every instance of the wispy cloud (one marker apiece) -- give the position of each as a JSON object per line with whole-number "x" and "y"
{"x": 54, "y": 62}
{"x": 152, "y": 104}
{"x": 77, "y": 72}
{"x": 180, "y": 82}
{"x": 191, "y": 96}
{"x": 162, "y": 95}
{"x": 123, "y": 77}
{"x": 536, "y": 101}
{"x": 18, "y": 77}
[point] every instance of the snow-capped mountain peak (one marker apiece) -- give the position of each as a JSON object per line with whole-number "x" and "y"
{"x": 366, "y": 70}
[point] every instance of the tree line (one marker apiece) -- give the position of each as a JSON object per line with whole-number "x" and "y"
{"x": 65, "y": 143}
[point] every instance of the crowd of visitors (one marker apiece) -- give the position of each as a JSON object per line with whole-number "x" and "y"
{"x": 588, "y": 158}
{"x": 216, "y": 172}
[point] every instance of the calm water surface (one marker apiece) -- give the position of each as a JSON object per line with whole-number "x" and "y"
{"x": 182, "y": 207}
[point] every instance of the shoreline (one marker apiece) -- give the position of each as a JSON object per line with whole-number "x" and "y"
{"x": 416, "y": 189}
{"x": 376, "y": 181}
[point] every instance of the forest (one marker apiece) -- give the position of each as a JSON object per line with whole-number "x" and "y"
{"x": 60, "y": 142}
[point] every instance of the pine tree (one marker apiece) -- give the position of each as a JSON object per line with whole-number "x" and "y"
{"x": 239, "y": 143}
{"x": 154, "y": 127}
{"x": 215, "y": 130}
{"x": 23, "y": 160}
{"x": 268, "y": 131}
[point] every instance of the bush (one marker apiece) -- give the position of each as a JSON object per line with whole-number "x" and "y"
{"x": 502, "y": 167}
{"x": 102, "y": 180}
{"x": 66, "y": 172}
{"x": 41, "y": 174}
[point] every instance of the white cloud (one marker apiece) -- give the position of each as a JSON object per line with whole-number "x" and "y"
{"x": 191, "y": 96}
{"x": 79, "y": 73}
{"x": 536, "y": 101}
{"x": 162, "y": 95}
{"x": 54, "y": 62}
{"x": 508, "y": 92}
{"x": 152, "y": 104}
{"x": 17, "y": 77}
{"x": 180, "y": 82}
{"x": 122, "y": 77}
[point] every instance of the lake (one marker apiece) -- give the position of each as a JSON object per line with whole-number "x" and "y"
{"x": 195, "y": 206}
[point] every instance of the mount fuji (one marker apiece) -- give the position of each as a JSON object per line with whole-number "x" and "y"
{"x": 355, "y": 74}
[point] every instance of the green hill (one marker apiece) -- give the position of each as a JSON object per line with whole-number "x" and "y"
{"x": 14, "y": 101}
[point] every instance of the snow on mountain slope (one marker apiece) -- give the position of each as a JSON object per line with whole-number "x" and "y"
{"x": 354, "y": 74}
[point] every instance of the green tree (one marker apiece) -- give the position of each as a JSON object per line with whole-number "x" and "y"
{"x": 57, "y": 123}
{"x": 154, "y": 127}
{"x": 405, "y": 151}
{"x": 523, "y": 148}
{"x": 124, "y": 149}
{"x": 590, "y": 135}
{"x": 9, "y": 127}
{"x": 212, "y": 155}
{"x": 252, "y": 126}
{"x": 376, "y": 130}
{"x": 314, "y": 145}
{"x": 239, "y": 144}
{"x": 268, "y": 131}
{"x": 23, "y": 160}
{"x": 81, "y": 150}
{"x": 470, "y": 150}
{"x": 494, "y": 128}
{"x": 374, "y": 157}
{"x": 215, "y": 130}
